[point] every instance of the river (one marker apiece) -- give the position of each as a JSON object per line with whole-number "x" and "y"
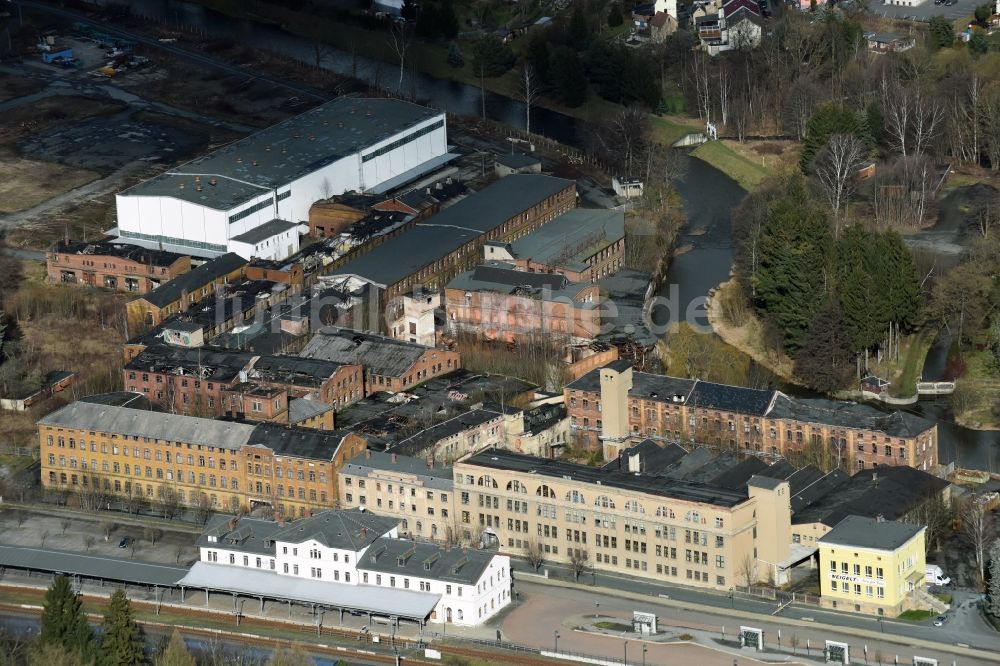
{"x": 708, "y": 195}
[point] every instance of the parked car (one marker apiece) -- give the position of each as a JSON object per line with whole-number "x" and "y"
{"x": 935, "y": 575}
{"x": 125, "y": 542}
{"x": 939, "y": 621}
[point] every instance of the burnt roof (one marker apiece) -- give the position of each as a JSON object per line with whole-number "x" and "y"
{"x": 194, "y": 279}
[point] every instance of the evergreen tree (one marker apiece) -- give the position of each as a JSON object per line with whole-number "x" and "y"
{"x": 428, "y": 20}
{"x": 447, "y": 20}
{"x": 122, "y": 643}
{"x": 176, "y": 653}
{"x": 826, "y": 360}
{"x": 993, "y": 591}
{"x": 53, "y": 654}
{"x": 409, "y": 10}
{"x": 569, "y": 82}
{"x": 491, "y": 56}
{"x": 826, "y": 121}
{"x": 455, "y": 58}
{"x": 983, "y": 13}
{"x": 978, "y": 43}
{"x": 940, "y": 33}
{"x": 793, "y": 273}
{"x": 579, "y": 31}
{"x": 63, "y": 622}
{"x": 615, "y": 17}
{"x": 539, "y": 57}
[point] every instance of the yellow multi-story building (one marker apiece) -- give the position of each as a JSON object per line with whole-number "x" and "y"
{"x": 870, "y": 565}
{"x": 104, "y": 451}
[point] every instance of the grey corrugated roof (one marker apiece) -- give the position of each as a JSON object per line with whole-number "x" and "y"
{"x": 644, "y": 385}
{"x": 425, "y": 560}
{"x": 571, "y": 238}
{"x": 347, "y": 529}
{"x": 296, "y": 441}
{"x": 263, "y": 232}
{"x": 439, "y": 476}
{"x": 730, "y": 398}
{"x": 502, "y": 278}
{"x": 194, "y": 279}
{"x": 464, "y": 222}
{"x": 409, "y": 604}
{"x": 107, "y": 418}
{"x": 378, "y": 354}
{"x": 90, "y": 566}
{"x": 861, "y": 532}
{"x": 286, "y": 151}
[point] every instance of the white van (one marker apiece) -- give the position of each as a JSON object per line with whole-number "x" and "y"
{"x": 935, "y": 575}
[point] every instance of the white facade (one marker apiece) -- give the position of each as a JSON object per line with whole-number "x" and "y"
{"x": 464, "y": 603}
{"x": 277, "y": 247}
{"x": 180, "y": 210}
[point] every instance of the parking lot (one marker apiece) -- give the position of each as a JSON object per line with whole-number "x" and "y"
{"x": 924, "y": 11}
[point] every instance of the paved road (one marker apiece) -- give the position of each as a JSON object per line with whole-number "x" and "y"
{"x": 969, "y": 628}
{"x": 925, "y": 11}
{"x": 173, "y": 49}
{"x": 547, "y": 608}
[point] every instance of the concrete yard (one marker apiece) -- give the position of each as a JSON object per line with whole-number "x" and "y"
{"x": 70, "y": 534}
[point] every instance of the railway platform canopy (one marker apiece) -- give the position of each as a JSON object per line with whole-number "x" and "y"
{"x": 394, "y": 603}
{"x": 95, "y": 567}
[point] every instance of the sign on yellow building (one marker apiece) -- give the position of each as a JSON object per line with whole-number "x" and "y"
{"x": 870, "y": 565}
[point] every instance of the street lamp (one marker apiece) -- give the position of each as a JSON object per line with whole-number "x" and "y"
{"x": 555, "y": 633}
{"x": 597, "y": 608}
{"x": 626, "y": 654}
{"x": 644, "y": 648}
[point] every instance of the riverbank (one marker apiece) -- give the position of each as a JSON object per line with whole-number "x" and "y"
{"x": 749, "y": 163}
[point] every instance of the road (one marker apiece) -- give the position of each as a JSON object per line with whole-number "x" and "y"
{"x": 965, "y": 625}
{"x": 549, "y": 609}
{"x": 173, "y": 49}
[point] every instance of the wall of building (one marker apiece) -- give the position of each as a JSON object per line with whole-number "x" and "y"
{"x": 510, "y": 317}
{"x": 78, "y": 461}
{"x": 275, "y": 248}
{"x": 433, "y": 363}
{"x": 93, "y": 270}
{"x": 201, "y": 230}
{"x": 423, "y": 512}
{"x": 866, "y": 591}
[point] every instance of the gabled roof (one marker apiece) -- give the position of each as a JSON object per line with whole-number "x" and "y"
{"x": 730, "y": 398}
{"x": 425, "y": 560}
{"x": 348, "y": 529}
{"x": 194, "y": 279}
{"x": 731, "y": 7}
{"x": 245, "y": 534}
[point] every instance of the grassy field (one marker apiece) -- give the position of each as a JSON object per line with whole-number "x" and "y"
{"x": 977, "y": 391}
{"x": 25, "y": 182}
{"x": 720, "y": 155}
{"x": 916, "y": 615}
{"x": 903, "y": 373}
{"x": 666, "y": 130}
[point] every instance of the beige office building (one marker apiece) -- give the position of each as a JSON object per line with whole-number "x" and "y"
{"x": 624, "y": 521}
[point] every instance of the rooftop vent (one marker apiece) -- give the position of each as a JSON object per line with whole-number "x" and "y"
{"x": 212, "y": 182}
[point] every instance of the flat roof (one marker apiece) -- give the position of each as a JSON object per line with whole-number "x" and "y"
{"x": 274, "y": 157}
{"x": 263, "y": 232}
{"x": 862, "y": 532}
{"x": 387, "y": 601}
{"x": 91, "y": 566}
{"x": 517, "y": 160}
{"x": 134, "y": 253}
{"x": 653, "y": 485}
{"x": 570, "y": 239}
{"x": 455, "y": 226}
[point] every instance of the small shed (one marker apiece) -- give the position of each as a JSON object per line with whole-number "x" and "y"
{"x": 57, "y": 53}
{"x": 627, "y": 187}
{"x": 876, "y": 385}
{"x": 511, "y": 163}
{"x": 865, "y": 171}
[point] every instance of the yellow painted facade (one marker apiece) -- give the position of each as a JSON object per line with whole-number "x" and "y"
{"x": 873, "y": 580}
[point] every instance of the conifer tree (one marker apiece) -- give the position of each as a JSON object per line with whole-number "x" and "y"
{"x": 176, "y": 653}
{"x": 63, "y": 622}
{"x": 122, "y": 643}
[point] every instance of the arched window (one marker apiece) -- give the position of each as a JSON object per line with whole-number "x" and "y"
{"x": 545, "y": 491}
{"x": 664, "y": 512}
{"x": 516, "y": 487}
{"x": 634, "y": 507}
{"x": 604, "y": 502}
{"x": 575, "y": 496}
{"x": 486, "y": 480}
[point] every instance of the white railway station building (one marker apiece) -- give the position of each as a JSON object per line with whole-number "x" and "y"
{"x": 222, "y": 201}
{"x": 351, "y": 559}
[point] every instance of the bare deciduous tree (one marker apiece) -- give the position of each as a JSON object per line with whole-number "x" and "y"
{"x": 107, "y": 528}
{"x": 835, "y": 167}
{"x": 579, "y": 559}
{"x": 529, "y": 92}
{"x": 977, "y": 530}
{"x": 535, "y": 554}
{"x": 746, "y": 569}
{"x": 88, "y": 542}
{"x": 399, "y": 42}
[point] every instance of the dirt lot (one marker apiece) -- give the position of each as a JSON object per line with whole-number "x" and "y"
{"x": 12, "y": 86}
{"x": 46, "y": 531}
{"x": 25, "y": 182}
